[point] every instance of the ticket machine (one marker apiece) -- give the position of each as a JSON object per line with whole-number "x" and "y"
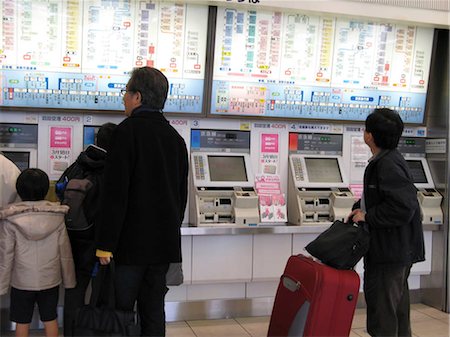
{"x": 221, "y": 179}
{"x": 429, "y": 198}
{"x": 413, "y": 149}
{"x": 318, "y": 188}
{"x": 18, "y": 142}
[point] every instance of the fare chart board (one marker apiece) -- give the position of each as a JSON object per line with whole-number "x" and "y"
{"x": 77, "y": 54}
{"x": 293, "y": 65}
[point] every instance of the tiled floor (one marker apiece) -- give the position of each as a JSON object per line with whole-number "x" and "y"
{"x": 426, "y": 322}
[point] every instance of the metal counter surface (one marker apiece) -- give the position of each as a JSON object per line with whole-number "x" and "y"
{"x": 267, "y": 229}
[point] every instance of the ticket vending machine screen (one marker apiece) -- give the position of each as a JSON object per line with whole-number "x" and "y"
{"x": 417, "y": 171}
{"x": 89, "y": 135}
{"x": 21, "y": 159}
{"x": 227, "y": 168}
{"x": 323, "y": 170}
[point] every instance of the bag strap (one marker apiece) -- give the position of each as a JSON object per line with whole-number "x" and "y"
{"x": 103, "y": 284}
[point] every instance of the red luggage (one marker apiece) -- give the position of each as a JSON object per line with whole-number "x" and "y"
{"x": 314, "y": 300}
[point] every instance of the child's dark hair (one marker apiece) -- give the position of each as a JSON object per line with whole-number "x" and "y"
{"x": 104, "y": 135}
{"x": 32, "y": 184}
{"x": 386, "y": 127}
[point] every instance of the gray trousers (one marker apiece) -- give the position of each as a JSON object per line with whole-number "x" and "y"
{"x": 387, "y": 297}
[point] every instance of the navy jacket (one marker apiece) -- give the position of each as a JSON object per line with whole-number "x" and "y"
{"x": 393, "y": 213}
{"x": 145, "y": 191}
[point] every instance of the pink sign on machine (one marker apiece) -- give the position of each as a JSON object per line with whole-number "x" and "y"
{"x": 60, "y": 148}
{"x": 269, "y": 153}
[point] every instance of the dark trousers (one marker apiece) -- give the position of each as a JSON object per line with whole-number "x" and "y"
{"x": 83, "y": 251}
{"x": 147, "y": 286}
{"x": 74, "y": 299}
{"x": 387, "y": 296}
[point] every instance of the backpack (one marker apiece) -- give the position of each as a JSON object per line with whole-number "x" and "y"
{"x": 73, "y": 171}
{"x": 77, "y": 189}
{"x": 74, "y": 197}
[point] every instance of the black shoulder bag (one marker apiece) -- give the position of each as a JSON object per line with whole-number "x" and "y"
{"x": 342, "y": 245}
{"x": 101, "y": 318}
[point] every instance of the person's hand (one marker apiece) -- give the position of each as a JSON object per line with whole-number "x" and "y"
{"x": 357, "y": 215}
{"x": 104, "y": 260}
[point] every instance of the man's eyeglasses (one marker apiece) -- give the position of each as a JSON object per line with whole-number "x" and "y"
{"x": 124, "y": 91}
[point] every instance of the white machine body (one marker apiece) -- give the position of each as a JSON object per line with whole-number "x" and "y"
{"x": 318, "y": 190}
{"x": 429, "y": 198}
{"x": 222, "y": 192}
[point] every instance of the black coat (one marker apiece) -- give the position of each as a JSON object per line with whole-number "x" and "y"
{"x": 393, "y": 213}
{"x": 145, "y": 191}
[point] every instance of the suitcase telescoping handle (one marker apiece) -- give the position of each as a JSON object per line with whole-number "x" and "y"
{"x": 294, "y": 285}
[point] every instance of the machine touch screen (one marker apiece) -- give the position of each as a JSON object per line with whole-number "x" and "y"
{"x": 21, "y": 159}
{"x": 89, "y": 135}
{"x": 323, "y": 170}
{"x": 417, "y": 171}
{"x": 227, "y": 168}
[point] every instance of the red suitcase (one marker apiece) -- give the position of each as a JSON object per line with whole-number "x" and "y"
{"x": 314, "y": 300}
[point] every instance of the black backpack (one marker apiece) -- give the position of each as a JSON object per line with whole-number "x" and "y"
{"x": 74, "y": 197}
{"x": 77, "y": 189}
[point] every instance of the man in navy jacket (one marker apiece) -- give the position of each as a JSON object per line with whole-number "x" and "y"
{"x": 390, "y": 208}
{"x": 145, "y": 195}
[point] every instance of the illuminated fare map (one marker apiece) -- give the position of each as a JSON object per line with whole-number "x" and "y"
{"x": 49, "y": 59}
{"x": 294, "y": 65}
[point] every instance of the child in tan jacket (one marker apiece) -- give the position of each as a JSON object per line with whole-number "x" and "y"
{"x": 35, "y": 253}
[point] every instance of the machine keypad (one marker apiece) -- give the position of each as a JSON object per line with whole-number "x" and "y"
{"x": 298, "y": 170}
{"x": 199, "y": 168}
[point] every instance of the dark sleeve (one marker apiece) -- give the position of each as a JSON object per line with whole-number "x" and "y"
{"x": 397, "y": 198}
{"x": 356, "y": 205}
{"x": 184, "y": 183}
{"x": 115, "y": 187}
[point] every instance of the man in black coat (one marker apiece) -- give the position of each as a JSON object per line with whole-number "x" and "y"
{"x": 145, "y": 195}
{"x": 390, "y": 208}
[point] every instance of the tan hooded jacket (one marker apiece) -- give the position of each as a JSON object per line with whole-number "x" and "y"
{"x": 35, "y": 251}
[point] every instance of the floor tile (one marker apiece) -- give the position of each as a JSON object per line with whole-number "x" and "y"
{"x": 430, "y": 328}
{"x": 426, "y": 322}
{"x": 361, "y": 332}
{"x": 218, "y": 328}
{"x": 255, "y": 326}
{"x": 418, "y": 315}
{"x": 359, "y": 319}
{"x": 430, "y": 311}
{"x": 423, "y": 328}
{"x": 353, "y": 334}
{"x": 179, "y": 329}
